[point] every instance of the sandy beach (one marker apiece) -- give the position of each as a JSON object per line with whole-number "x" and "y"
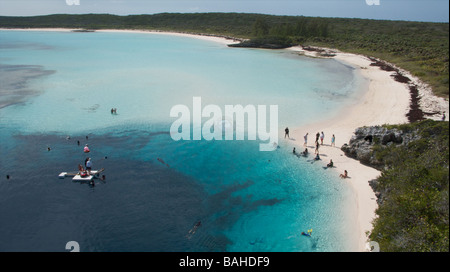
{"x": 218, "y": 39}
{"x": 385, "y": 101}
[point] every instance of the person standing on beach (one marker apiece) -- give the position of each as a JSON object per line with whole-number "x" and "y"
{"x": 317, "y": 137}
{"x": 333, "y": 140}
{"x": 443, "y": 116}
{"x": 306, "y": 139}
{"x": 317, "y": 148}
{"x": 286, "y": 133}
{"x": 321, "y": 138}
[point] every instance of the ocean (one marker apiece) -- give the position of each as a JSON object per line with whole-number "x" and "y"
{"x": 57, "y": 90}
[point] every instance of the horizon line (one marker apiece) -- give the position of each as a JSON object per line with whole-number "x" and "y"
{"x": 219, "y": 12}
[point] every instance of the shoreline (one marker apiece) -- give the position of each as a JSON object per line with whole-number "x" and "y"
{"x": 208, "y": 37}
{"x": 384, "y": 101}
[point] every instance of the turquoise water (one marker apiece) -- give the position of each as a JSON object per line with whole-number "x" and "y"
{"x": 65, "y": 84}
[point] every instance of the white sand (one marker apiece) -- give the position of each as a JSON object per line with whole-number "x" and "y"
{"x": 218, "y": 39}
{"x": 386, "y": 101}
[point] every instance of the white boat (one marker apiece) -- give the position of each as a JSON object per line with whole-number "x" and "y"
{"x": 79, "y": 177}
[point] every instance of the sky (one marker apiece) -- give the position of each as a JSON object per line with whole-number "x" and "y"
{"x": 408, "y": 10}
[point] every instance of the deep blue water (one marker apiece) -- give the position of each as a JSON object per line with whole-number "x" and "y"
{"x": 246, "y": 200}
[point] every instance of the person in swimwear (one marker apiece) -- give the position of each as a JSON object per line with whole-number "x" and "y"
{"x": 330, "y": 164}
{"x": 345, "y": 175}
{"x": 88, "y": 166}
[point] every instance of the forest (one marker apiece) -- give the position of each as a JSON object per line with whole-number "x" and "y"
{"x": 421, "y": 48}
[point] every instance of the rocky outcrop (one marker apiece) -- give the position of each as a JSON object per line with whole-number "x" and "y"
{"x": 361, "y": 145}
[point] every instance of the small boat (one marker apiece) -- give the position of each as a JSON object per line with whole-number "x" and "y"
{"x": 82, "y": 176}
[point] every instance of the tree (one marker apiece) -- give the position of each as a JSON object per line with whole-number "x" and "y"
{"x": 260, "y": 28}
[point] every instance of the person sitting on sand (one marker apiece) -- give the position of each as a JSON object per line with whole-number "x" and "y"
{"x": 305, "y": 153}
{"x": 317, "y": 157}
{"x": 330, "y": 164}
{"x": 345, "y": 175}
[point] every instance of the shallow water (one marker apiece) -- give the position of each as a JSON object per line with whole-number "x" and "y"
{"x": 246, "y": 200}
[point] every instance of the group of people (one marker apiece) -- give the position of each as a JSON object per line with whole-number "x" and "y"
{"x": 318, "y": 142}
{"x": 304, "y": 153}
{"x": 88, "y": 167}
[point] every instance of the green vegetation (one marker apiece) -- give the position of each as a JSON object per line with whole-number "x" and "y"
{"x": 419, "y": 47}
{"x": 414, "y": 212}
{"x": 414, "y": 206}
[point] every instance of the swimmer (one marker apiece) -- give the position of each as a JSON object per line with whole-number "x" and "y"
{"x": 86, "y": 149}
{"x": 163, "y": 162}
{"x": 194, "y": 229}
{"x": 308, "y": 233}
